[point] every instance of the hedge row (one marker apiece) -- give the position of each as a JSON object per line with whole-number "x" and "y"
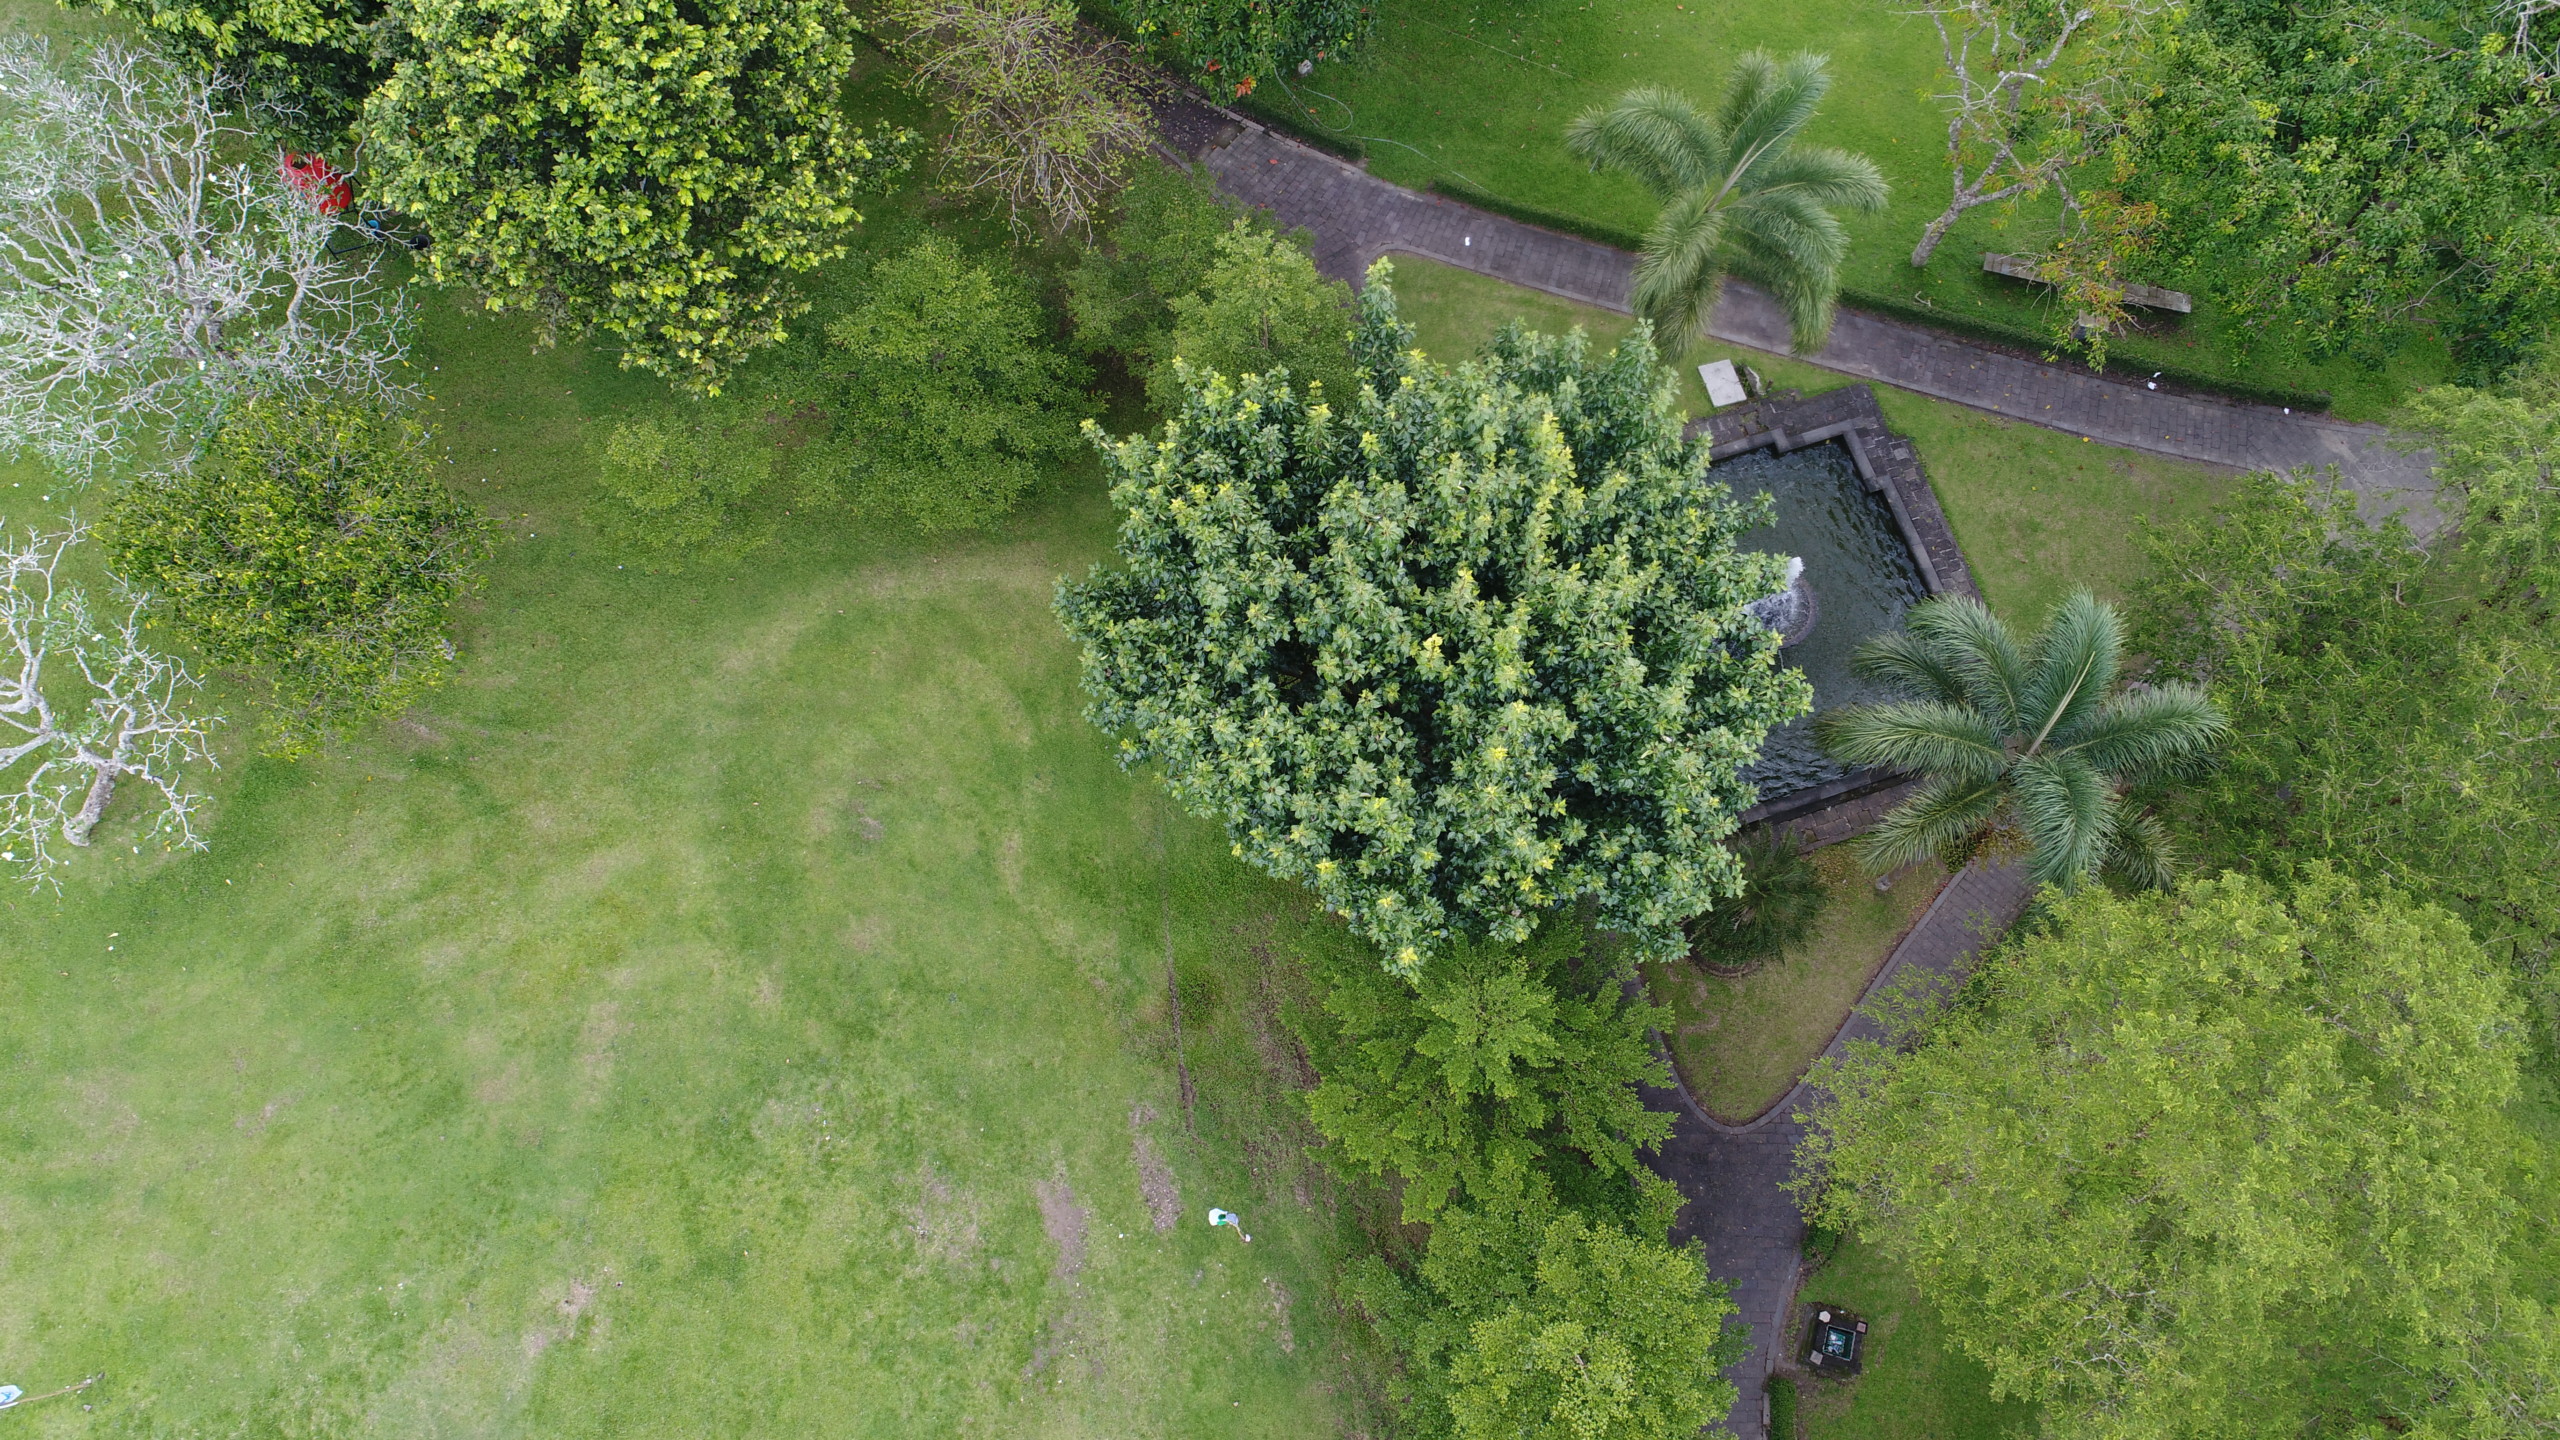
{"x": 1878, "y": 303}
{"x": 2129, "y": 367}
{"x": 1466, "y": 194}
{"x": 1298, "y": 127}
{"x": 1782, "y": 1408}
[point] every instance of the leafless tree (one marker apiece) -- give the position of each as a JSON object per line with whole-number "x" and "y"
{"x": 156, "y": 263}
{"x": 2034, "y": 85}
{"x": 2541, "y": 51}
{"x": 84, "y": 704}
{"x": 1047, "y": 116}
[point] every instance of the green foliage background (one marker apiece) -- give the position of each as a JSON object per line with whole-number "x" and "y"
{"x": 2214, "y": 1164}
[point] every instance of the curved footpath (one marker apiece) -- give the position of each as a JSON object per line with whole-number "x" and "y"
{"x": 1357, "y": 217}
{"x": 1732, "y": 1174}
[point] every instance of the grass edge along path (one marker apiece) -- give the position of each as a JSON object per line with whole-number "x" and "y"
{"x": 1792, "y": 1006}
{"x": 2035, "y": 510}
{"x": 1481, "y": 93}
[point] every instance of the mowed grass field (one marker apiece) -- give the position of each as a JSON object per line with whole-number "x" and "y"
{"x": 1482, "y": 91}
{"x": 739, "y": 1005}
{"x": 2038, "y": 512}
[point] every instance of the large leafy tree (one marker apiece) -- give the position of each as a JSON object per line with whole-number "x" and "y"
{"x": 652, "y": 169}
{"x": 941, "y": 394}
{"x": 1501, "y": 1070}
{"x": 314, "y": 545}
{"x": 1260, "y": 306}
{"x": 2020, "y": 746}
{"x": 2498, "y": 451}
{"x": 308, "y": 63}
{"x": 2212, "y": 1164}
{"x": 1529, "y": 1321}
{"x": 2342, "y": 174}
{"x": 1465, "y": 648}
{"x": 1157, "y": 249}
{"x": 1741, "y": 193}
{"x": 2391, "y": 706}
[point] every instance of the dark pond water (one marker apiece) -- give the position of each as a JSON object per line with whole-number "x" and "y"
{"x": 1863, "y": 579}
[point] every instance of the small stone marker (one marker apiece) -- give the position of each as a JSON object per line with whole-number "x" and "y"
{"x": 1723, "y": 386}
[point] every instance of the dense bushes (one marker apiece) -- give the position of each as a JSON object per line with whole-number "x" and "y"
{"x": 315, "y": 546}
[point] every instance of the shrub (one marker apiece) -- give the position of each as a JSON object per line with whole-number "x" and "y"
{"x": 314, "y": 546}
{"x": 1261, "y": 308}
{"x": 672, "y": 485}
{"x": 941, "y": 394}
{"x": 1782, "y": 900}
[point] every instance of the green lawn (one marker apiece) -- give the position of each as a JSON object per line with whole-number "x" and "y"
{"x": 737, "y": 1006}
{"x": 2037, "y": 511}
{"x": 1741, "y": 1044}
{"x": 1913, "y": 1385}
{"x": 1482, "y": 91}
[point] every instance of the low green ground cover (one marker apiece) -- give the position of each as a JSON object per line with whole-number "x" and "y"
{"x": 1482, "y": 92}
{"x": 737, "y": 1005}
{"x": 1742, "y": 1043}
{"x": 1913, "y": 1386}
{"x": 2037, "y": 511}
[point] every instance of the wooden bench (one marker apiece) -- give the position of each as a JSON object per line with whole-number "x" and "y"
{"x": 2150, "y": 297}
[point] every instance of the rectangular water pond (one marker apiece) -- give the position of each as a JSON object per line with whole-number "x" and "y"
{"x": 1861, "y": 576}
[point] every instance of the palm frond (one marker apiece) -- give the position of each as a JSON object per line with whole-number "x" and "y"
{"x": 2155, "y": 733}
{"x": 2068, "y": 810}
{"x": 1794, "y": 253}
{"x": 2140, "y": 851}
{"x": 1766, "y": 103}
{"x": 1655, "y": 134}
{"x": 1821, "y": 175}
{"x": 2076, "y": 658}
{"x": 1680, "y": 276}
{"x": 1923, "y": 737}
{"x": 1938, "y": 817}
{"x": 1978, "y": 646}
{"x": 1899, "y": 659}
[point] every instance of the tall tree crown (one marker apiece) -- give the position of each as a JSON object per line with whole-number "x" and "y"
{"x": 1468, "y": 650}
{"x": 1741, "y": 193}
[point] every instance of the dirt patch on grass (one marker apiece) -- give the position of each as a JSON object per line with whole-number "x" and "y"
{"x": 1070, "y": 1332}
{"x": 1064, "y": 1219}
{"x": 1278, "y": 1295}
{"x": 1156, "y": 1184}
{"x": 943, "y": 1221}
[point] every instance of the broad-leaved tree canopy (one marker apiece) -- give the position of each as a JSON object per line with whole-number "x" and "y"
{"x": 1454, "y": 651}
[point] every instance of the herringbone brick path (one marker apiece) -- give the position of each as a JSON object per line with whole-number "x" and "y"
{"x": 1732, "y": 1174}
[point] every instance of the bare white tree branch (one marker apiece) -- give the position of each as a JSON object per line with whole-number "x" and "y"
{"x": 2024, "y": 105}
{"x": 149, "y": 274}
{"x": 1047, "y": 116}
{"x": 84, "y": 704}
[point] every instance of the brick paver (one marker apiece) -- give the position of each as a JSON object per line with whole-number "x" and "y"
{"x": 1356, "y": 217}
{"x": 1732, "y": 1174}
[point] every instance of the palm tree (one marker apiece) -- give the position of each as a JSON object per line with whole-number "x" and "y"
{"x": 1739, "y": 195}
{"x": 2020, "y": 747}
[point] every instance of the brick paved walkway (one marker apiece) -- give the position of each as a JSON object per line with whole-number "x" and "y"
{"x": 1357, "y": 217}
{"x": 1732, "y": 1173}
